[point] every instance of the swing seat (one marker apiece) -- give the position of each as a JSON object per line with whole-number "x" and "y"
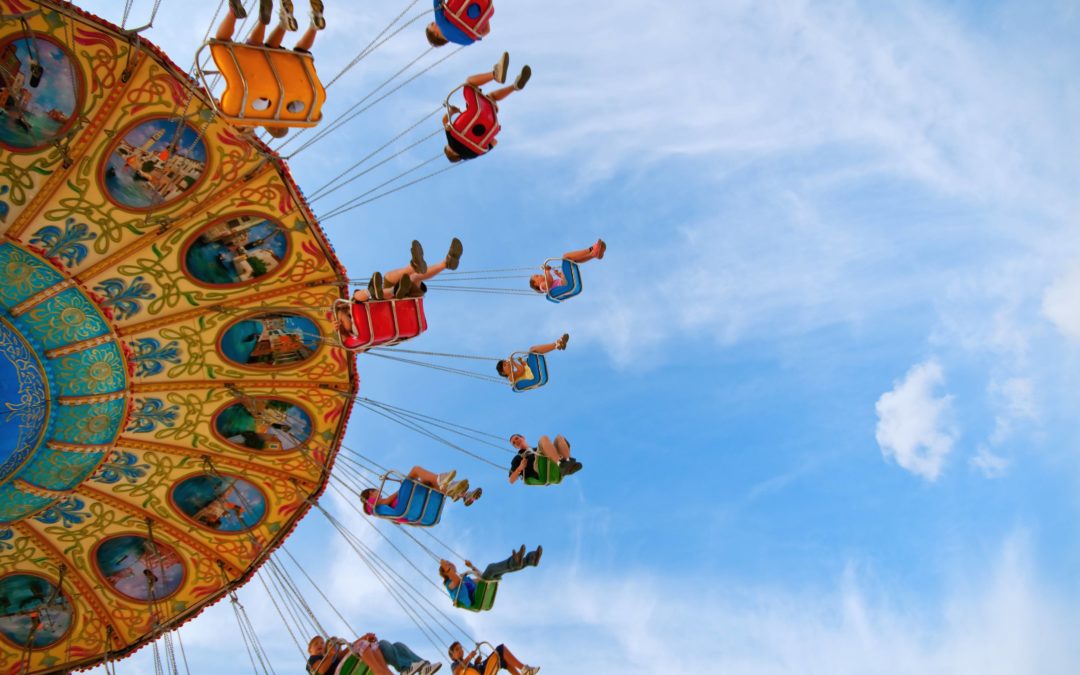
{"x": 266, "y": 86}
{"x": 548, "y": 471}
{"x": 417, "y": 504}
{"x": 483, "y": 598}
{"x": 478, "y": 125}
{"x": 378, "y": 323}
{"x": 457, "y": 13}
{"x": 538, "y": 365}
{"x": 572, "y": 274}
{"x": 352, "y": 665}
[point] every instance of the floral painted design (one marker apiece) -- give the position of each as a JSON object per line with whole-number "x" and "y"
{"x": 148, "y": 413}
{"x": 122, "y": 298}
{"x": 64, "y": 244}
{"x": 150, "y": 355}
{"x": 67, "y": 512}
{"x": 121, "y": 466}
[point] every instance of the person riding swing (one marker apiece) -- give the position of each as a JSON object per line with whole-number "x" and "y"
{"x": 471, "y": 133}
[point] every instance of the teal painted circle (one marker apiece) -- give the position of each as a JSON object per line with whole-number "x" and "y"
{"x": 24, "y": 405}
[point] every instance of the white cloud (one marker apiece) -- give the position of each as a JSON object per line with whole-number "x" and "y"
{"x": 990, "y": 464}
{"x": 1061, "y": 304}
{"x": 913, "y": 421}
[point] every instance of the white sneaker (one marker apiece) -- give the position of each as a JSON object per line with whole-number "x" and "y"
{"x": 430, "y": 668}
{"x": 530, "y": 670}
{"x": 414, "y": 669}
{"x": 444, "y": 480}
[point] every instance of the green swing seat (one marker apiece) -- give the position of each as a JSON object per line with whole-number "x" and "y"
{"x": 352, "y": 665}
{"x": 548, "y": 471}
{"x": 483, "y": 597}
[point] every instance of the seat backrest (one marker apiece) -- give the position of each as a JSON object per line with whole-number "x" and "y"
{"x": 405, "y": 496}
{"x": 415, "y": 513}
{"x": 572, "y": 274}
{"x": 548, "y": 472}
{"x": 264, "y": 85}
{"x": 484, "y": 598}
{"x": 432, "y": 510}
{"x": 538, "y": 365}
{"x": 457, "y": 13}
{"x": 386, "y": 322}
{"x": 352, "y": 665}
{"x": 478, "y": 124}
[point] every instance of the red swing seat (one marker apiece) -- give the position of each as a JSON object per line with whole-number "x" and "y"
{"x": 478, "y": 125}
{"x": 378, "y": 323}
{"x": 457, "y": 13}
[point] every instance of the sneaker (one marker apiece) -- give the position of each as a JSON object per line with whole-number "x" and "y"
{"x": 523, "y": 78}
{"x": 458, "y": 489}
{"x": 375, "y": 287}
{"x": 453, "y": 256}
{"x": 266, "y": 11}
{"x": 417, "y": 262}
{"x": 285, "y": 15}
{"x": 533, "y": 559}
{"x": 428, "y": 668}
{"x": 517, "y": 558}
{"x": 444, "y": 480}
{"x": 473, "y": 496}
{"x": 237, "y": 8}
{"x": 317, "y": 19}
{"x": 575, "y": 466}
{"x": 530, "y": 670}
{"x": 414, "y": 669}
{"x": 561, "y": 342}
{"x": 499, "y": 71}
{"x": 599, "y": 248}
{"x": 404, "y": 287}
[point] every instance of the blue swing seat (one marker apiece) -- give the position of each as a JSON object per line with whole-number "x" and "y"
{"x": 538, "y": 365}
{"x": 572, "y": 274}
{"x": 417, "y": 504}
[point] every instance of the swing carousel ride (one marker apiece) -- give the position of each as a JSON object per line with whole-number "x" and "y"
{"x": 175, "y": 380}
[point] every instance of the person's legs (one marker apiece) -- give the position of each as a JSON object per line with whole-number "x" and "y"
{"x": 548, "y": 449}
{"x": 397, "y": 655}
{"x": 496, "y": 570}
{"x": 510, "y": 662}
{"x": 276, "y": 36}
{"x": 551, "y": 346}
{"x": 480, "y": 79}
{"x": 257, "y": 34}
{"x": 494, "y": 662}
{"x": 429, "y": 478}
{"x": 586, "y": 254}
{"x": 307, "y": 39}
{"x": 374, "y": 659}
{"x": 562, "y": 446}
{"x": 501, "y": 93}
{"x": 228, "y": 24}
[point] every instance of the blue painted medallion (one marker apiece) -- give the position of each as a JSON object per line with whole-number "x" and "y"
{"x": 24, "y": 405}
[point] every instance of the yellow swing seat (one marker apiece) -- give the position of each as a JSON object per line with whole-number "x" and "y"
{"x": 266, "y": 86}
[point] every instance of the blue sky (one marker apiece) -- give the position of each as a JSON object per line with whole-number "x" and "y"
{"x": 822, "y": 383}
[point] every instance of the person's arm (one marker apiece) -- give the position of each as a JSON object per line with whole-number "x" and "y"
{"x": 468, "y": 563}
{"x": 516, "y": 473}
{"x": 387, "y": 501}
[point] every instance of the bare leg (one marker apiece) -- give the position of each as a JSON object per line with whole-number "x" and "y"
{"x": 424, "y": 476}
{"x": 344, "y": 317}
{"x": 512, "y": 662}
{"x": 481, "y": 79}
{"x": 500, "y": 94}
{"x": 391, "y": 278}
{"x": 276, "y": 36}
{"x": 227, "y": 27}
{"x": 256, "y": 36}
{"x": 548, "y": 449}
{"x": 562, "y": 446}
{"x": 306, "y": 40}
{"x": 586, "y": 254}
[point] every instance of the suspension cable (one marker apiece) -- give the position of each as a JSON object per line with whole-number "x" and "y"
{"x": 371, "y": 46}
{"x": 391, "y": 191}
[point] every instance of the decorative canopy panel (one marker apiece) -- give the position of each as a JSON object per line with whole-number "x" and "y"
{"x": 168, "y": 400}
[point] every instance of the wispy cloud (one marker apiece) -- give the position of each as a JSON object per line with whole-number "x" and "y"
{"x": 913, "y": 425}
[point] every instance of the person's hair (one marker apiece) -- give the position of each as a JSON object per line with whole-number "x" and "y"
{"x": 534, "y": 284}
{"x": 499, "y": 367}
{"x": 443, "y": 575}
{"x": 451, "y": 155}
{"x": 311, "y": 642}
{"x": 366, "y": 494}
{"x": 451, "y": 649}
{"x": 513, "y": 436}
{"x": 435, "y": 37}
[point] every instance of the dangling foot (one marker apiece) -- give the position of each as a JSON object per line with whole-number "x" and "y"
{"x": 375, "y": 287}
{"x": 266, "y": 11}
{"x": 523, "y": 78}
{"x": 530, "y": 670}
{"x": 569, "y": 466}
{"x": 403, "y": 288}
{"x": 473, "y": 496}
{"x": 285, "y": 15}
{"x": 444, "y": 480}
{"x": 317, "y": 19}
{"x": 457, "y": 490}
{"x": 560, "y": 344}
{"x": 533, "y": 559}
{"x": 499, "y": 71}
{"x": 453, "y": 256}
{"x": 417, "y": 262}
{"x": 598, "y": 249}
{"x": 237, "y": 9}
{"x": 517, "y": 558}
